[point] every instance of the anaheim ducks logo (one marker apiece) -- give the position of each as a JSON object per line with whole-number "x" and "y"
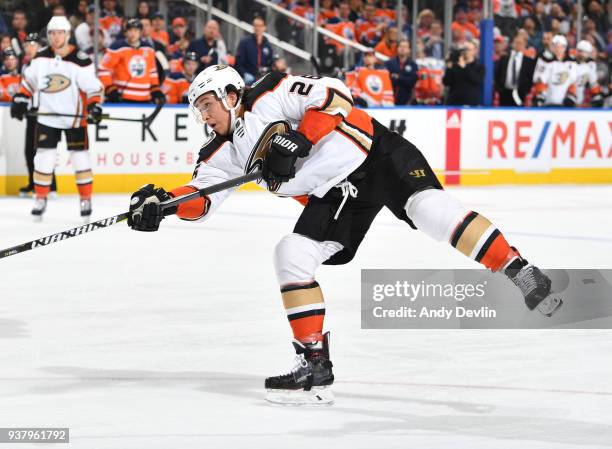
{"x": 261, "y": 148}
{"x": 56, "y": 83}
{"x": 561, "y": 78}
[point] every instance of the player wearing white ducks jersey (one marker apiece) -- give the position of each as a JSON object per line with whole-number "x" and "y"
{"x": 587, "y": 77}
{"x": 309, "y": 142}
{"x": 555, "y": 78}
{"x": 65, "y": 83}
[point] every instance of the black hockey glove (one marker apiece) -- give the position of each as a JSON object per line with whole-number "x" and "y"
{"x": 19, "y": 106}
{"x": 145, "y": 211}
{"x": 158, "y": 97}
{"x": 597, "y": 101}
{"x": 94, "y": 114}
{"x": 113, "y": 96}
{"x": 569, "y": 102}
{"x": 279, "y": 164}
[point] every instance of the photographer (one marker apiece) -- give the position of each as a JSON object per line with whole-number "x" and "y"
{"x": 463, "y": 77}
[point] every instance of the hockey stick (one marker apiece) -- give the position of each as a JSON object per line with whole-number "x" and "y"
{"x": 147, "y": 120}
{"x": 106, "y": 222}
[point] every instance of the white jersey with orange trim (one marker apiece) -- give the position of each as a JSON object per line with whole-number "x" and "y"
{"x": 557, "y": 79}
{"x": 273, "y": 106}
{"x": 63, "y": 85}
{"x": 586, "y": 73}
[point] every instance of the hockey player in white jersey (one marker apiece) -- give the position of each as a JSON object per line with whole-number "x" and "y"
{"x": 586, "y": 72}
{"x": 310, "y": 143}
{"x": 65, "y": 82}
{"x": 555, "y": 79}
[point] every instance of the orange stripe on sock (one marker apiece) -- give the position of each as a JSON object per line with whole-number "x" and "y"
{"x": 497, "y": 254}
{"x": 304, "y": 327}
{"x": 85, "y": 190}
{"x": 41, "y": 191}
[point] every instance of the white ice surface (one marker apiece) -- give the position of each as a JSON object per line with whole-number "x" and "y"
{"x": 162, "y": 340}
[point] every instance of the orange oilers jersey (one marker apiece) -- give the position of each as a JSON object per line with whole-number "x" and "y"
{"x": 161, "y": 36}
{"x": 428, "y": 88}
{"x": 176, "y": 87}
{"x": 386, "y": 14}
{"x": 372, "y": 85}
{"x": 367, "y": 31}
{"x": 112, "y": 24}
{"x": 132, "y": 70}
{"x": 344, "y": 29}
{"x": 9, "y": 85}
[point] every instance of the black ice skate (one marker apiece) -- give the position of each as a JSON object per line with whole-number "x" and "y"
{"x": 26, "y": 191}
{"x": 309, "y": 381}
{"x": 534, "y": 285}
{"x": 85, "y": 210}
{"x": 40, "y": 206}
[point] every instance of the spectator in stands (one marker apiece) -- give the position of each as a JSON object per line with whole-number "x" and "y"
{"x": 370, "y": 84}
{"x": 78, "y": 16}
{"x": 161, "y": 59}
{"x": 596, "y": 12}
{"x": 176, "y": 86}
{"x": 254, "y": 53}
{"x": 128, "y": 70}
{"x": 5, "y": 42}
{"x": 590, "y": 30}
{"x": 535, "y": 37}
{"x": 461, "y": 23}
{"x": 403, "y": 72}
{"x": 428, "y": 88}
{"x": 545, "y": 43}
{"x": 327, "y": 12}
{"x": 356, "y": 9}
{"x": 557, "y": 13}
{"x": 368, "y": 28}
{"x": 514, "y": 74}
{"x": 143, "y": 11}
{"x": 424, "y": 20}
{"x": 206, "y": 46}
{"x": 388, "y": 45}
{"x": 111, "y": 19}
{"x": 40, "y": 14}
{"x": 19, "y": 25}
{"x": 179, "y": 30}
{"x": 464, "y": 76}
{"x": 83, "y": 33}
{"x": 159, "y": 32}
{"x": 434, "y": 43}
{"x": 406, "y": 31}
{"x": 10, "y": 78}
{"x": 384, "y": 13}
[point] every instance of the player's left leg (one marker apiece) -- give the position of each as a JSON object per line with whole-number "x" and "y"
{"x": 78, "y": 145}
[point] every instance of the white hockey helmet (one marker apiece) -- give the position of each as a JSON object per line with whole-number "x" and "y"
{"x": 585, "y": 46}
{"x": 220, "y": 80}
{"x": 59, "y": 23}
{"x": 559, "y": 39}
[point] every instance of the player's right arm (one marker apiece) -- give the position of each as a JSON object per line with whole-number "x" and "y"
{"x": 27, "y": 88}
{"x": 215, "y": 164}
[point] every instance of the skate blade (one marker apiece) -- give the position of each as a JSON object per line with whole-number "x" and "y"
{"x": 37, "y": 218}
{"x": 316, "y": 396}
{"x": 86, "y": 219}
{"x": 549, "y": 305}
{"x": 25, "y": 195}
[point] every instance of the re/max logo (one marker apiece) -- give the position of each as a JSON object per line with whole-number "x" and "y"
{"x": 521, "y": 140}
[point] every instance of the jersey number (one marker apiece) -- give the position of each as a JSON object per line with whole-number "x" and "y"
{"x": 302, "y": 88}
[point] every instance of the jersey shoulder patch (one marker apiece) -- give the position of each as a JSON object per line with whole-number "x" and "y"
{"x": 44, "y": 52}
{"x": 209, "y": 148}
{"x": 266, "y": 84}
{"x": 79, "y": 58}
